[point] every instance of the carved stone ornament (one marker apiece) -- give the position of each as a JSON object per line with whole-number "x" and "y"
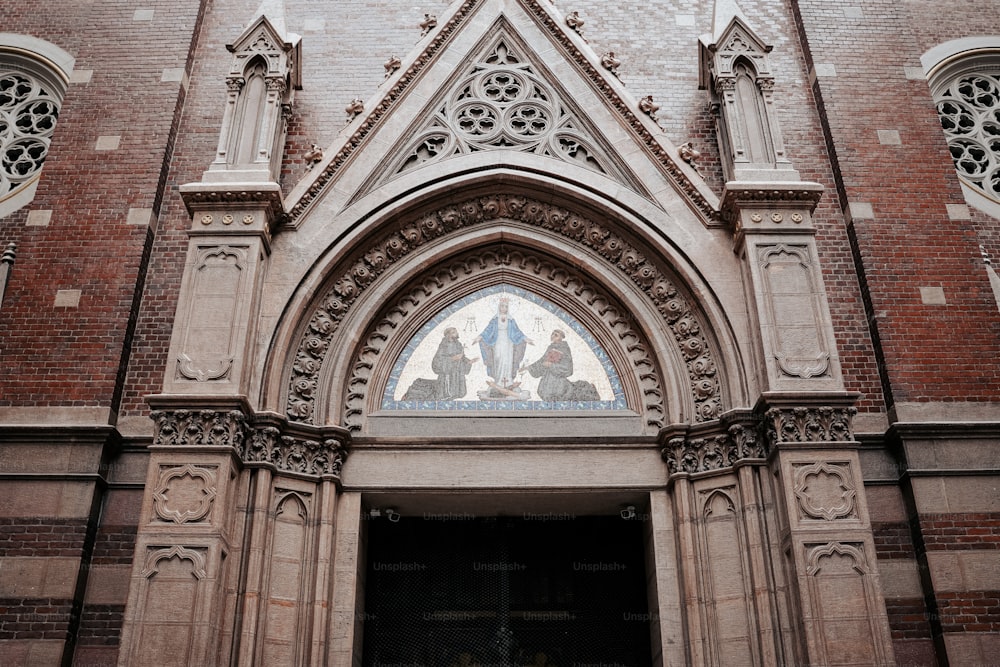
{"x": 574, "y": 21}
{"x": 680, "y": 318}
{"x": 155, "y": 556}
{"x": 440, "y": 39}
{"x": 295, "y": 454}
{"x": 255, "y": 443}
{"x": 184, "y": 494}
{"x": 429, "y": 23}
{"x": 714, "y": 452}
{"x": 824, "y": 491}
{"x": 503, "y": 103}
{"x": 854, "y": 553}
{"x": 809, "y": 424}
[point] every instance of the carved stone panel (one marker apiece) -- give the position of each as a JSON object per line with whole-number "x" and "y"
{"x": 184, "y": 494}
{"x": 169, "y": 595}
{"x": 217, "y": 280}
{"x": 844, "y": 606}
{"x": 824, "y": 491}
{"x": 794, "y": 311}
{"x": 724, "y": 578}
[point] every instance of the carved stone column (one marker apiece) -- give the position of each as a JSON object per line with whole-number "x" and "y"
{"x": 233, "y": 555}
{"x": 733, "y": 590}
{"x": 825, "y": 530}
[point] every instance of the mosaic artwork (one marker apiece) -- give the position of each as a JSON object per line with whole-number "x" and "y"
{"x": 503, "y": 348}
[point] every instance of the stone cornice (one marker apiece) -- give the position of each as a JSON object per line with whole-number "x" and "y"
{"x": 214, "y": 196}
{"x": 774, "y": 194}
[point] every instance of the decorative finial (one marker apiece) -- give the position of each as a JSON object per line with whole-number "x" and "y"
{"x": 689, "y": 154}
{"x": 356, "y": 106}
{"x": 429, "y": 23}
{"x": 648, "y": 106}
{"x": 574, "y": 21}
{"x": 313, "y": 155}
{"x": 391, "y": 65}
{"x": 610, "y": 62}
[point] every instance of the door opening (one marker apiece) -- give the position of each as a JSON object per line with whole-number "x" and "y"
{"x": 548, "y": 590}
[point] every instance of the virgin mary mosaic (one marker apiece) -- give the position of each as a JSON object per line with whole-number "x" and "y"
{"x": 503, "y": 348}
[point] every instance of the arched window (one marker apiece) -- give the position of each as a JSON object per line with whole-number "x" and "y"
{"x": 33, "y": 78}
{"x": 964, "y": 76}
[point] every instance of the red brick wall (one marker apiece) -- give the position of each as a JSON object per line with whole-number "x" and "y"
{"x": 911, "y": 242}
{"x": 73, "y": 356}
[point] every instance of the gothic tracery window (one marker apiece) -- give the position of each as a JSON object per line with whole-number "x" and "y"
{"x": 969, "y": 108}
{"x": 28, "y": 112}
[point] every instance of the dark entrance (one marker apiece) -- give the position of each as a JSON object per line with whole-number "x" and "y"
{"x": 545, "y": 590}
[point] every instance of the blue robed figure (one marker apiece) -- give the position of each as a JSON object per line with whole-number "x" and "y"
{"x": 502, "y": 345}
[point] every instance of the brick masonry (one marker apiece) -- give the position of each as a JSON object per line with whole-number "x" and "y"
{"x": 158, "y": 85}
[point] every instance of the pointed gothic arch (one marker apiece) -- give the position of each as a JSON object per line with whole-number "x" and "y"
{"x": 612, "y": 269}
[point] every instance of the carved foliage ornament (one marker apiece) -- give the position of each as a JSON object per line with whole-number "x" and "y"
{"x": 715, "y": 452}
{"x": 801, "y": 424}
{"x": 255, "y": 444}
{"x": 617, "y": 321}
{"x": 681, "y": 319}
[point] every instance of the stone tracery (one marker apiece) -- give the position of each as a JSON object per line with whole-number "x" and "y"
{"x": 28, "y": 115}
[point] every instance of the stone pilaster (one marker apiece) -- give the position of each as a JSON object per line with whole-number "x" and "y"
{"x": 825, "y": 530}
{"x": 232, "y": 557}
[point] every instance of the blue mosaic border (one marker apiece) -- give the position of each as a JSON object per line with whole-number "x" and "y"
{"x": 388, "y": 403}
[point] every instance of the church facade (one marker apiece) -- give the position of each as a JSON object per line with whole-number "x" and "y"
{"x": 499, "y": 332}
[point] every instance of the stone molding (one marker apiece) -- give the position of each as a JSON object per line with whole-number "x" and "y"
{"x": 679, "y": 316}
{"x": 195, "y": 555}
{"x": 256, "y": 440}
{"x": 780, "y": 196}
{"x": 833, "y": 496}
{"x": 442, "y": 35}
{"x": 190, "y": 507}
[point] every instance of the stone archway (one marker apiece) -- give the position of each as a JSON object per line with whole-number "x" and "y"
{"x": 603, "y": 252}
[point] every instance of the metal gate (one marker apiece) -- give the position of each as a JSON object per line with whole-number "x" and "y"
{"x": 547, "y": 590}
